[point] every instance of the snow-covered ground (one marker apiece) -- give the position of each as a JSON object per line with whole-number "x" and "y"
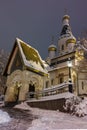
{"x": 54, "y": 120}
{"x": 4, "y": 117}
{"x": 49, "y": 120}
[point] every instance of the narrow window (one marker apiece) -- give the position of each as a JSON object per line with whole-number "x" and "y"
{"x": 62, "y": 47}
{"x": 82, "y": 85}
{"x": 61, "y": 79}
{"x": 47, "y": 84}
{"x": 52, "y": 82}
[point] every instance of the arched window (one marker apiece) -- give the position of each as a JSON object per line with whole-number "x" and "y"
{"x": 61, "y": 78}
{"x": 62, "y": 47}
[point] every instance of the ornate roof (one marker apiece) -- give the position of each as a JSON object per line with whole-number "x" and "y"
{"x": 66, "y": 32}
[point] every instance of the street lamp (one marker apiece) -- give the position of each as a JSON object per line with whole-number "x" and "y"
{"x": 69, "y": 63}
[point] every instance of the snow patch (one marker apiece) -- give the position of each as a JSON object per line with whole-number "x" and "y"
{"x": 47, "y": 120}
{"x": 4, "y": 117}
{"x": 23, "y": 106}
{"x": 53, "y": 120}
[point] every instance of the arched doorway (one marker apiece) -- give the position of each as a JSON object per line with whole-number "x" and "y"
{"x": 31, "y": 90}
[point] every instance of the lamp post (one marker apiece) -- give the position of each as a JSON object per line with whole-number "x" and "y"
{"x": 69, "y": 63}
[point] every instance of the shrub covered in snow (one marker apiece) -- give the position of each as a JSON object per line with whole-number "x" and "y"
{"x": 76, "y": 106}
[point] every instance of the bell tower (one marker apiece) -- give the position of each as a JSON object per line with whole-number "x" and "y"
{"x": 52, "y": 49}
{"x": 66, "y": 40}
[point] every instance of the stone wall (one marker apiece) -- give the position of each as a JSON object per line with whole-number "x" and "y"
{"x": 18, "y": 84}
{"x": 56, "y": 104}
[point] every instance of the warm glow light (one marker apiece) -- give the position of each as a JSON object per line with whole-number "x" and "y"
{"x": 69, "y": 63}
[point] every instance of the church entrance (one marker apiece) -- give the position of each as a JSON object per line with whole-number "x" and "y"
{"x": 31, "y": 90}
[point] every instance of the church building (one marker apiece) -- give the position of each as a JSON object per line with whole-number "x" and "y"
{"x": 26, "y": 72}
{"x": 69, "y": 61}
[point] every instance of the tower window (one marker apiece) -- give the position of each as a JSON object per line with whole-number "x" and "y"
{"x": 82, "y": 85}
{"x": 62, "y": 48}
{"x": 52, "y": 81}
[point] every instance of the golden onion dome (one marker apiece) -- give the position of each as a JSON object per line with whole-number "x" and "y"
{"x": 52, "y": 48}
{"x": 71, "y": 40}
{"x": 66, "y": 17}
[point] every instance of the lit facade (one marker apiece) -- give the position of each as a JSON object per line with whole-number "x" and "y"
{"x": 68, "y": 49}
{"x": 26, "y": 72}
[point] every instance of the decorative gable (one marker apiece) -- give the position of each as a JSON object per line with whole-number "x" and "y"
{"x": 23, "y": 56}
{"x": 31, "y": 58}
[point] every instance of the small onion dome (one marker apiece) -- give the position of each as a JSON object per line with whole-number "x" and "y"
{"x": 71, "y": 40}
{"x": 52, "y": 48}
{"x": 66, "y": 17}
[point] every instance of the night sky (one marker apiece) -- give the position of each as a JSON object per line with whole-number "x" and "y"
{"x": 36, "y": 21}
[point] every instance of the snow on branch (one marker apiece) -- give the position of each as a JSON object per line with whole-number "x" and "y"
{"x": 76, "y": 106}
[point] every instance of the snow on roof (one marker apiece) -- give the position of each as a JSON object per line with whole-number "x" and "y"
{"x": 52, "y": 47}
{"x": 31, "y": 57}
{"x": 53, "y": 68}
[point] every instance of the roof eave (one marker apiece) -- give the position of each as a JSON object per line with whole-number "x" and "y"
{"x": 36, "y": 71}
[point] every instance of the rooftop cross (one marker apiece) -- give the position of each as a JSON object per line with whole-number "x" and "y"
{"x": 52, "y": 39}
